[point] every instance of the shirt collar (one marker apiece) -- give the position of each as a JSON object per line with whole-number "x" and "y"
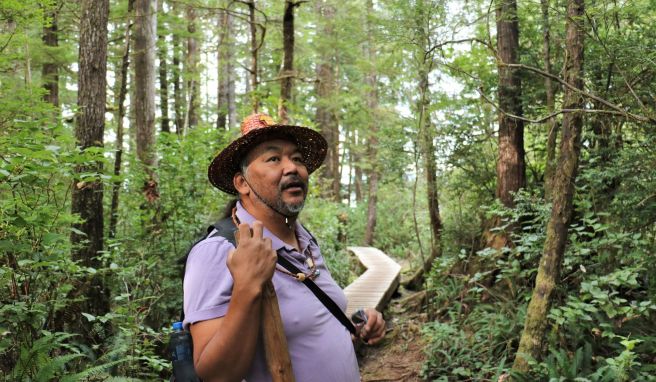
{"x": 302, "y": 235}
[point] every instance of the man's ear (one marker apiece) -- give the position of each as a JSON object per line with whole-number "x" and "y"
{"x": 240, "y": 184}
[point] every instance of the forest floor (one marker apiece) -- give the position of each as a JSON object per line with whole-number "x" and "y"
{"x": 400, "y": 356}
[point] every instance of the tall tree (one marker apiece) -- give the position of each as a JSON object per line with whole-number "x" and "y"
{"x": 548, "y": 276}
{"x": 121, "y": 94}
{"x": 145, "y": 43}
{"x": 163, "y": 71}
{"x": 178, "y": 90}
{"x": 191, "y": 68}
{"x": 255, "y": 47}
{"x": 425, "y": 16}
{"x": 325, "y": 88}
{"x": 511, "y": 167}
{"x": 287, "y": 70}
{"x": 87, "y": 194}
{"x": 552, "y": 123}
{"x": 226, "y": 108}
{"x": 372, "y": 129}
{"x": 50, "y": 70}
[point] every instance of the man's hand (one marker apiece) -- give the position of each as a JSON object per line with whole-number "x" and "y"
{"x": 253, "y": 261}
{"x": 374, "y": 330}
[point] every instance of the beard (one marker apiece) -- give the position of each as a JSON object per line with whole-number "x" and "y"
{"x": 280, "y": 206}
{"x": 292, "y": 209}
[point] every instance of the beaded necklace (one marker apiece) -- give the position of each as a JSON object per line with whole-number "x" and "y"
{"x": 309, "y": 260}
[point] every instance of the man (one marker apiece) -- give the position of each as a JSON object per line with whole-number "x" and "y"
{"x": 268, "y": 168}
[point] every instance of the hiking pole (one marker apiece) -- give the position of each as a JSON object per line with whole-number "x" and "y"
{"x": 275, "y": 342}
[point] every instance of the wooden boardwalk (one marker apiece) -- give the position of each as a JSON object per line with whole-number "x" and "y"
{"x": 375, "y": 286}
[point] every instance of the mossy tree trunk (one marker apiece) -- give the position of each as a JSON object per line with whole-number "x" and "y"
{"x": 548, "y": 275}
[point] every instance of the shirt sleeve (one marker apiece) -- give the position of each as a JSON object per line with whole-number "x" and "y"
{"x": 207, "y": 281}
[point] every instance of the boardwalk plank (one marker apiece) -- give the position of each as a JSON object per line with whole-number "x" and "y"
{"x": 376, "y": 285}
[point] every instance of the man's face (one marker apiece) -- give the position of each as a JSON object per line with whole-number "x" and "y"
{"x": 276, "y": 172}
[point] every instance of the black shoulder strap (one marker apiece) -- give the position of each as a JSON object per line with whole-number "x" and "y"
{"x": 321, "y": 295}
{"x": 226, "y": 228}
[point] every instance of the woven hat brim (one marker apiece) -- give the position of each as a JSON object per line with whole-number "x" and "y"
{"x": 311, "y": 144}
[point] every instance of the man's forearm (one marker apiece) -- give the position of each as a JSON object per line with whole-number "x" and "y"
{"x": 229, "y": 352}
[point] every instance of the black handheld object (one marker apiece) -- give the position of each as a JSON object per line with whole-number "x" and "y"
{"x": 181, "y": 351}
{"x": 359, "y": 319}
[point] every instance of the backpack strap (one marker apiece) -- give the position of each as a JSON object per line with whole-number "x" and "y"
{"x": 226, "y": 228}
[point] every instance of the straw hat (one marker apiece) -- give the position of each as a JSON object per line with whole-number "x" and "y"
{"x": 258, "y": 128}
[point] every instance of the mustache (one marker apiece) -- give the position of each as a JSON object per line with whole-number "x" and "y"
{"x": 293, "y": 181}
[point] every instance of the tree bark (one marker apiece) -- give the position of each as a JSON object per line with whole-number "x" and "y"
{"x": 563, "y": 193}
{"x": 193, "y": 84}
{"x": 325, "y": 87}
{"x": 255, "y": 102}
{"x": 372, "y": 142}
{"x": 163, "y": 73}
{"x": 427, "y": 149}
{"x": 511, "y": 167}
{"x": 426, "y": 145}
{"x": 120, "y": 115}
{"x": 287, "y": 71}
{"x": 178, "y": 91}
{"x": 144, "y": 103}
{"x": 224, "y": 67}
{"x": 87, "y": 195}
{"x": 357, "y": 158}
{"x": 552, "y": 123}
{"x": 50, "y": 69}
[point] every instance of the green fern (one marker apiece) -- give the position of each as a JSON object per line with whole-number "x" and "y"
{"x": 94, "y": 371}
{"x": 50, "y": 370}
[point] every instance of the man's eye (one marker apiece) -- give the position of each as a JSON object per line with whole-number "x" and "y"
{"x": 298, "y": 159}
{"x": 273, "y": 159}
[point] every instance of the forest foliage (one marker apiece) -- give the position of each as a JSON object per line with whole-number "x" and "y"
{"x": 397, "y": 87}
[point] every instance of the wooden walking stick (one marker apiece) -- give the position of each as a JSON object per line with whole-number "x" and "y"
{"x": 276, "y": 351}
{"x": 275, "y": 342}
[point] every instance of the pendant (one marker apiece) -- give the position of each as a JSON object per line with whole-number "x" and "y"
{"x": 309, "y": 262}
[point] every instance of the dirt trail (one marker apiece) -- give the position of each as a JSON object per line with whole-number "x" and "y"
{"x": 400, "y": 356}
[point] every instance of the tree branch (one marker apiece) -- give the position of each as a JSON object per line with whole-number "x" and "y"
{"x": 549, "y": 116}
{"x": 617, "y": 108}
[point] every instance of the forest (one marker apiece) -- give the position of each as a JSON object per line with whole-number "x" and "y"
{"x": 502, "y": 151}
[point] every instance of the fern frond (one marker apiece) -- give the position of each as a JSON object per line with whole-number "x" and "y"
{"x": 93, "y": 371}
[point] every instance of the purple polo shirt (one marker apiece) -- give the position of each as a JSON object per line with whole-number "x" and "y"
{"x": 320, "y": 347}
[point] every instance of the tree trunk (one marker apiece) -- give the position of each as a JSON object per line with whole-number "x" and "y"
{"x": 325, "y": 116}
{"x": 178, "y": 91}
{"x": 120, "y": 115}
{"x": 510, "y": 165}
{"x": 563, "y": 193}
{"x": 50, "y": 70}
{"x": 144, "y": 102}
{"x": 427, "y": 149}
{"x": 552, "y": 123}
{"x": 163, "y": 72}
{"x": 87, "y": 194}
{"x": 223, "y": 67}
{"x": 255, "y": 102}
{"x": 193, "y": 84}
{"x": 287, "y": 72}
{"x": 357, "y": 157}
{"x": 372, "y": 142}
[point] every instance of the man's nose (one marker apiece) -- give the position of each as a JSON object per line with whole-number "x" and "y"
{"x": 290, "y": 166}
